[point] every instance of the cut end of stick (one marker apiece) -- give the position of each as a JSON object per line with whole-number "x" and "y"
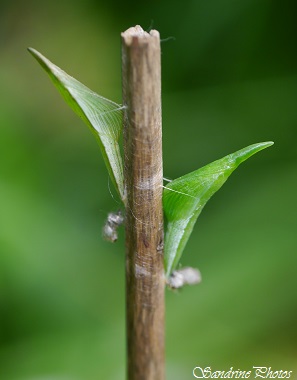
{"x": 137, "y": 33}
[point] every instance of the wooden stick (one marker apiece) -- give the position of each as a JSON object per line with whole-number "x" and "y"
{"x": 145, "y": 281}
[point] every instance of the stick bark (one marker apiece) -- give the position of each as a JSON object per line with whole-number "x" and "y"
{"x": 145, "y": 281}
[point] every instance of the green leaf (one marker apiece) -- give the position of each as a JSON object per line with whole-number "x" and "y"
{"x": 103, "y": 117}
{"x": 185, "y": 197}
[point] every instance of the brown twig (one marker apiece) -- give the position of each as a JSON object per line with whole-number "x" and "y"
{"x": 141, "y": 71}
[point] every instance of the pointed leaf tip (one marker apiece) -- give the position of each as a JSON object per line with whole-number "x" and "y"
{"x": 102, "y": 116}
{"x": 245, "y": 153}
{"x": 185, "y": 197}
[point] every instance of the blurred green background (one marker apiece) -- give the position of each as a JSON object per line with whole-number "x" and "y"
{"x": 229, "y": 80}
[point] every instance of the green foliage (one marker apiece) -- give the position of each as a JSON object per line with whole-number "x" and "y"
{"x": 103, "y": 116}
{"x": 185, "y": 197}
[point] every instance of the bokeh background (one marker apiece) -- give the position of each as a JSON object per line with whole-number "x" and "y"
{"x": 229, "y": 80}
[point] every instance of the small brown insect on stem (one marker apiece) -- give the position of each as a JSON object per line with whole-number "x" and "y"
{"x": 145, "y": 281}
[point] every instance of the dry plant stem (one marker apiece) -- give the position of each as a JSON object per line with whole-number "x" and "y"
{"x": 145, "y": 280}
